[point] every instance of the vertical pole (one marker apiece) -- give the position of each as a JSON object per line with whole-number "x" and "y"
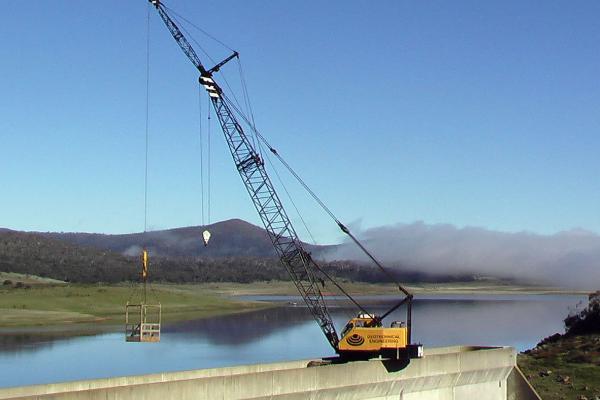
{"x": 141, "y": 322}
{"x": 409, "y": 320}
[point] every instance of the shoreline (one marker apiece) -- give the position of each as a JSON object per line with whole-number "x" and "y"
{"x": 188, "y": 302}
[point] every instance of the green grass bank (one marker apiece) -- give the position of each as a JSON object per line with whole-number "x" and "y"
{"x": 46, "y": 305}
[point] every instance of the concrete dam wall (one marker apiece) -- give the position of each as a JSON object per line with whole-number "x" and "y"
{"x": 443, "y": 373}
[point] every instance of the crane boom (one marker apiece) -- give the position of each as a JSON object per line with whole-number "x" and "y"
{"x": 363, "y": 336}
{"x": 181, "y": 40}
{"x": 297, "y": 261}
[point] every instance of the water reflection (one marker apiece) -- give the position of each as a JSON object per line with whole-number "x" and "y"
{"x": 240, "y": 329}
{"x": 276, "y": 334}
{"x": 519, "y": 321}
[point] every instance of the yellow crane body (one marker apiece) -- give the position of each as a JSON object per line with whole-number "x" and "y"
{"x": 364, "y": 335}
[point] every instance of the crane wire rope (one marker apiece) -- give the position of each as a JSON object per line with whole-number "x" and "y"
{"x": 179, "y": 18}
{"x": 147, "y": 118}
{"x": 182, "y": 18}
{"x": 245, "y": 91}
{"x": 285, "y": 189}
{"x": 134, "y": 288}
{"x": 208, "y": 162}
{"x": 144, "y": 293}
{"x": 324, "y": 273}
{"x": 201, "y": 155}
{"x": 246, "y": 95}
{"x": 237, "y": 107}
{"x": 317, "y": 266}
{"x": 343, "y": 227}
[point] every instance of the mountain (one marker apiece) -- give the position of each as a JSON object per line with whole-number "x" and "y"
{"x": 230, "y": 238}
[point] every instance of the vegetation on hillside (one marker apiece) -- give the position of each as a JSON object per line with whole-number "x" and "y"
{"x": 35, "y": 254}
{"x": 586, "y": 321}
{"x": 568, "y": 366}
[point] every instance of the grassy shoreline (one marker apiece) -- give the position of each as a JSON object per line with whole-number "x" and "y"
{"x": 97, "y": 306}
{"x": 279, "y": 288}
{"x": 59, "y": 306}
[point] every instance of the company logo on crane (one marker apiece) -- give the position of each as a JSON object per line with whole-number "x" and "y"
{"x": 355, "y": 340}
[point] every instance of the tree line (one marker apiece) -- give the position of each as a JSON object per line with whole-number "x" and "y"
{"x": 33, "y": 254}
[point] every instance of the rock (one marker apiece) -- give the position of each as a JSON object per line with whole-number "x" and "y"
{"x": 582, "y": 397}
{"x": 565, "y": 380}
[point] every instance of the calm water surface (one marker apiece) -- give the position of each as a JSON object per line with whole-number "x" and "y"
{"x": 284, "y": 333}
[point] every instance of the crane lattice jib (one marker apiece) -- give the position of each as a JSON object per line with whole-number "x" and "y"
{"x": 297, "y": 261}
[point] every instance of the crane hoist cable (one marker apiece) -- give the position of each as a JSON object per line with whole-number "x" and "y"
{"x": 190, "y": 23}
{"x": 142, "y": 320}
{"x": 297, "y": 261}
{"x": 342, "y": 227}
{"x": 147, "y": 120}
{"x": 204, "y": 171}
{"x": 201, "y": 157}
{"x": 208, "y": 153}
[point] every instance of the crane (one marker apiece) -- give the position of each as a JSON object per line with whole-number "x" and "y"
{"x": 363, "y": 336}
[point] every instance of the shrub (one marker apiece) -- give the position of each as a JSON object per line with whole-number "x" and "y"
{"x": 586, "y": 321}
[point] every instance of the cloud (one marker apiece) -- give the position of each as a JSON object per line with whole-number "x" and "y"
{"x": 567, "y": 259}
{"x": 133, "y": 251}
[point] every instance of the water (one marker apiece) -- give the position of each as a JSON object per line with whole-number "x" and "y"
{"x": 283, "y": 333}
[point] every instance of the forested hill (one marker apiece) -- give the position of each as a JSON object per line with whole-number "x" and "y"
{"x": 231, "y": 238}
{"x": 238, "y": 252}
{"x": 35, "y": 254}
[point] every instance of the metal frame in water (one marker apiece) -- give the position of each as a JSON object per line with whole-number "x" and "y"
{"x": 142, "y": 326}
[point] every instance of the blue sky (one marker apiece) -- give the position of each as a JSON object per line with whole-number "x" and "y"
{"x": 469, "y": 113}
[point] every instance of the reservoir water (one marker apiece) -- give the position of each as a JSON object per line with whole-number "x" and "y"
{"x": 282, "y": 333}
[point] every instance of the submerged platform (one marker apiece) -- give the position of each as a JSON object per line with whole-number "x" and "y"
{"x": 443, "y": 373}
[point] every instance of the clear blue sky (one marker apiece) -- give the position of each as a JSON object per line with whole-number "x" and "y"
{"x": 468, "y": 112}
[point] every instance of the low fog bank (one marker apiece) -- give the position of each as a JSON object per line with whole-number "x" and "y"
{"x": 569, "y": 259}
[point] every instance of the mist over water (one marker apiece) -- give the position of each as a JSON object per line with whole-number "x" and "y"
{"x": 568, "y": 259}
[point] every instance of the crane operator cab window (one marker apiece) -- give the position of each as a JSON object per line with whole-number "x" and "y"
{"x": 347, "y": 328}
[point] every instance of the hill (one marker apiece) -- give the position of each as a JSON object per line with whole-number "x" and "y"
{"x": 231, "y": 238}
{"x": 568, "y": 365}
{"x": 238, "y": 252}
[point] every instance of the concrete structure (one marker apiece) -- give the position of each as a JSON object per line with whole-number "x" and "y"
{"x": 444, "y": 373}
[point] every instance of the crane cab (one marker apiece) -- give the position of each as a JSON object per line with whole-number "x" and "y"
{"x": 366, "y": 337}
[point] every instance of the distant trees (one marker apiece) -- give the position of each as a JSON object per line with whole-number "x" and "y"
{"x": 35, "y": 254}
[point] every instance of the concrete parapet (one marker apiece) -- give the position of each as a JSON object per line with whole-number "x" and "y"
{"x": 443, "y": 373}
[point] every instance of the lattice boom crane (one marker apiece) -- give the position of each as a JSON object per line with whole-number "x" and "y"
{"x": 304, "y": 271}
